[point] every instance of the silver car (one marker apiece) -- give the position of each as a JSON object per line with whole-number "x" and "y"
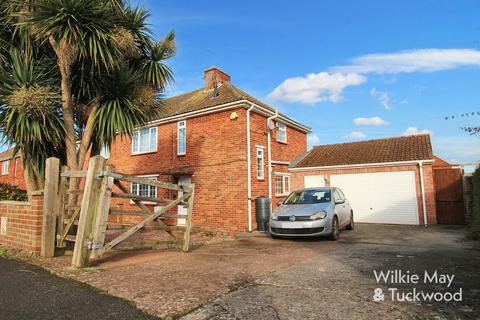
{"x": 312, "y": 212}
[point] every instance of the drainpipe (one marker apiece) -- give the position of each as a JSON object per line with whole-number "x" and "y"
{"x": 270, "y": 158}
{"x": 249, "y": 171}
{"x": 422, "y": 187}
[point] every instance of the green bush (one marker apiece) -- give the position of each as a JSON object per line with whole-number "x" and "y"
{"x": 9, "y": 192}
{"x": 474, "y": 227}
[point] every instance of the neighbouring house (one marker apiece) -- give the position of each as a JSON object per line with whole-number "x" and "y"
{"x": 12, "y": 169}
{"x": 386, "y": 180}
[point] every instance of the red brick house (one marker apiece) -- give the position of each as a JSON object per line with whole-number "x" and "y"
{"x": 12, "y": 169}
{"x": 218, "y": 138}
{"x": 386, "y": 180}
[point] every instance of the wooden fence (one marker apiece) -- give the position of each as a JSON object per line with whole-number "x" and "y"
{"x": 77, "y": 205}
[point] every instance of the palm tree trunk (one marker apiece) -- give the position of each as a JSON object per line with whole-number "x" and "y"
{"x": 64, "y": 59}
{"x": 87, "y": 135}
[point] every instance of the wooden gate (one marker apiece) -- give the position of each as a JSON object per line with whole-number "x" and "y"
{"x": 78, "y": 209}
{"x": 449, "y": 195}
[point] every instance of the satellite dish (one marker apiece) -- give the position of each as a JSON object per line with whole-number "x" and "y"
{"x": 271, "y": 124}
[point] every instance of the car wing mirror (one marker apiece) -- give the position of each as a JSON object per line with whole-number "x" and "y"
{"x": 279, "y": 202}
{"x": 339, "y": 201}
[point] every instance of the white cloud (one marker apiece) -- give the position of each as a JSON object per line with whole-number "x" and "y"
{"x": 460, "y": 149}
{"x": 315, "y": 87}
{"x": 312, "y": 140}
{"x": 411, "y": 131}
{"x": 356, "y": 135}
{"x": 383, "y": 97}
{"x": 373, "y": 121}
{"x": 419, "y": 60}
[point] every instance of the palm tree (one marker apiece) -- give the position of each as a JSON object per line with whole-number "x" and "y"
{"x": 109, "y": 71}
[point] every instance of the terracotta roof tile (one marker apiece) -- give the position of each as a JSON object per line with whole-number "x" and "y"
{"x": 408, "y": 148}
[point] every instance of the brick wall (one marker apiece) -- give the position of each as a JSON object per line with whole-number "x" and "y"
{"x": 298, "y": 182}
{"x": 216, "y": 160}
{"x": 23, "y": 224}
{"x": 15, "y": 174}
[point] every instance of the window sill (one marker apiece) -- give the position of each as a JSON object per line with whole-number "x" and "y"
{"x": 144, "y": 202}
{"x": 181, "y": 154}
{"x": 283, "y": 142}
{"x": 143, "y": 152}
{"x": 260, "y": 179}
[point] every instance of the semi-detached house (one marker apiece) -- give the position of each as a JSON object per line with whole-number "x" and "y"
{"x": 232, "y": 146}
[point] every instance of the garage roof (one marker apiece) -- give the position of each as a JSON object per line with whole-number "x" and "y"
{"x": 407, "y": 148}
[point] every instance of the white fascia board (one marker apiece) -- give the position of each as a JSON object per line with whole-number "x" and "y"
{"x": 226, "y": 106}
{"x": 380, "y": 164}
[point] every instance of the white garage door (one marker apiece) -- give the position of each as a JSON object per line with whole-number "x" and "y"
{"x": 314, "y": 181}
{"x": 383, "y": 197}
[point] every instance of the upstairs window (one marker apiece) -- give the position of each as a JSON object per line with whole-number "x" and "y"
{"x": 260, "y": 164}
{"x": 282, "y": 185}
{"x": 282, "y": 133}
{"x": 5, "y": 167}
{"x": 182, "y": 138}
{"x": 144, "y": 140}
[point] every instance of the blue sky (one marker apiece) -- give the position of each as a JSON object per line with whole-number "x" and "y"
{"x": 351, "y": 70}
{"x": 409, "y": 63}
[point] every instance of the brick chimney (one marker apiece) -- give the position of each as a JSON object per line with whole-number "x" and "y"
{"x": 214, "y": 75}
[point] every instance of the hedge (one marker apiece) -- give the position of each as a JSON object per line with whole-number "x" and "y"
{"x": 474, "y": 226}
{"x": 9, "y": 192}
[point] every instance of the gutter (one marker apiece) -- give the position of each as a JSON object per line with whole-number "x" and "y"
{"x": 378, "y": 164}
{"x": 270, "y": 156}
{"x": 249, "y": 171}
{"x": 226, "y": 106}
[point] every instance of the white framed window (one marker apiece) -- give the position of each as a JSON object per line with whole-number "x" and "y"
{"x": 144, "y": 190}
{"x": 282, "y": 185}
{"x": 5, "y": 167}
{"x": 281, "y": 132}
{"x": 182, "y": 138}
{"x": 105, "y": 151}
{"x": 144, "y": 140}
{"x": 260, "y": 163}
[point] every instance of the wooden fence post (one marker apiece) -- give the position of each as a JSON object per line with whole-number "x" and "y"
{"x": 60, "y": 210}
{"x": 101, "y": 218}
{"x": 52, "y": 168}
{"x": 83, "y": 241}
{"x": 188, "y": 223}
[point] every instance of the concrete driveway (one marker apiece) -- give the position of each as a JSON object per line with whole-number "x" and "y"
{"x": 340, "y": 283}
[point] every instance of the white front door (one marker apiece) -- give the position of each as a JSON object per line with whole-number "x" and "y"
{"x": 380, "y": 197}
{"x": 184, "y": 181}
{"x": 314, "y": 181}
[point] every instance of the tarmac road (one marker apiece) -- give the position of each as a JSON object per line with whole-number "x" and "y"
{"x": 29, "y": 292}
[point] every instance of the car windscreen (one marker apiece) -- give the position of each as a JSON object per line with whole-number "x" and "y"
{"x": 308, "y": 197}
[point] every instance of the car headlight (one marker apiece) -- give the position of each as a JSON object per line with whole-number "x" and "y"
{"x": 273, "y": 216}
{"x": 318, "y": 215}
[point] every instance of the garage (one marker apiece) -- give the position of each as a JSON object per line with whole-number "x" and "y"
{"x": 381, "y": 197}
{"x": 387, "y": 181}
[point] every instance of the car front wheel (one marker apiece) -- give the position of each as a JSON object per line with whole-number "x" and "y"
{"x": 335, "y": 229}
